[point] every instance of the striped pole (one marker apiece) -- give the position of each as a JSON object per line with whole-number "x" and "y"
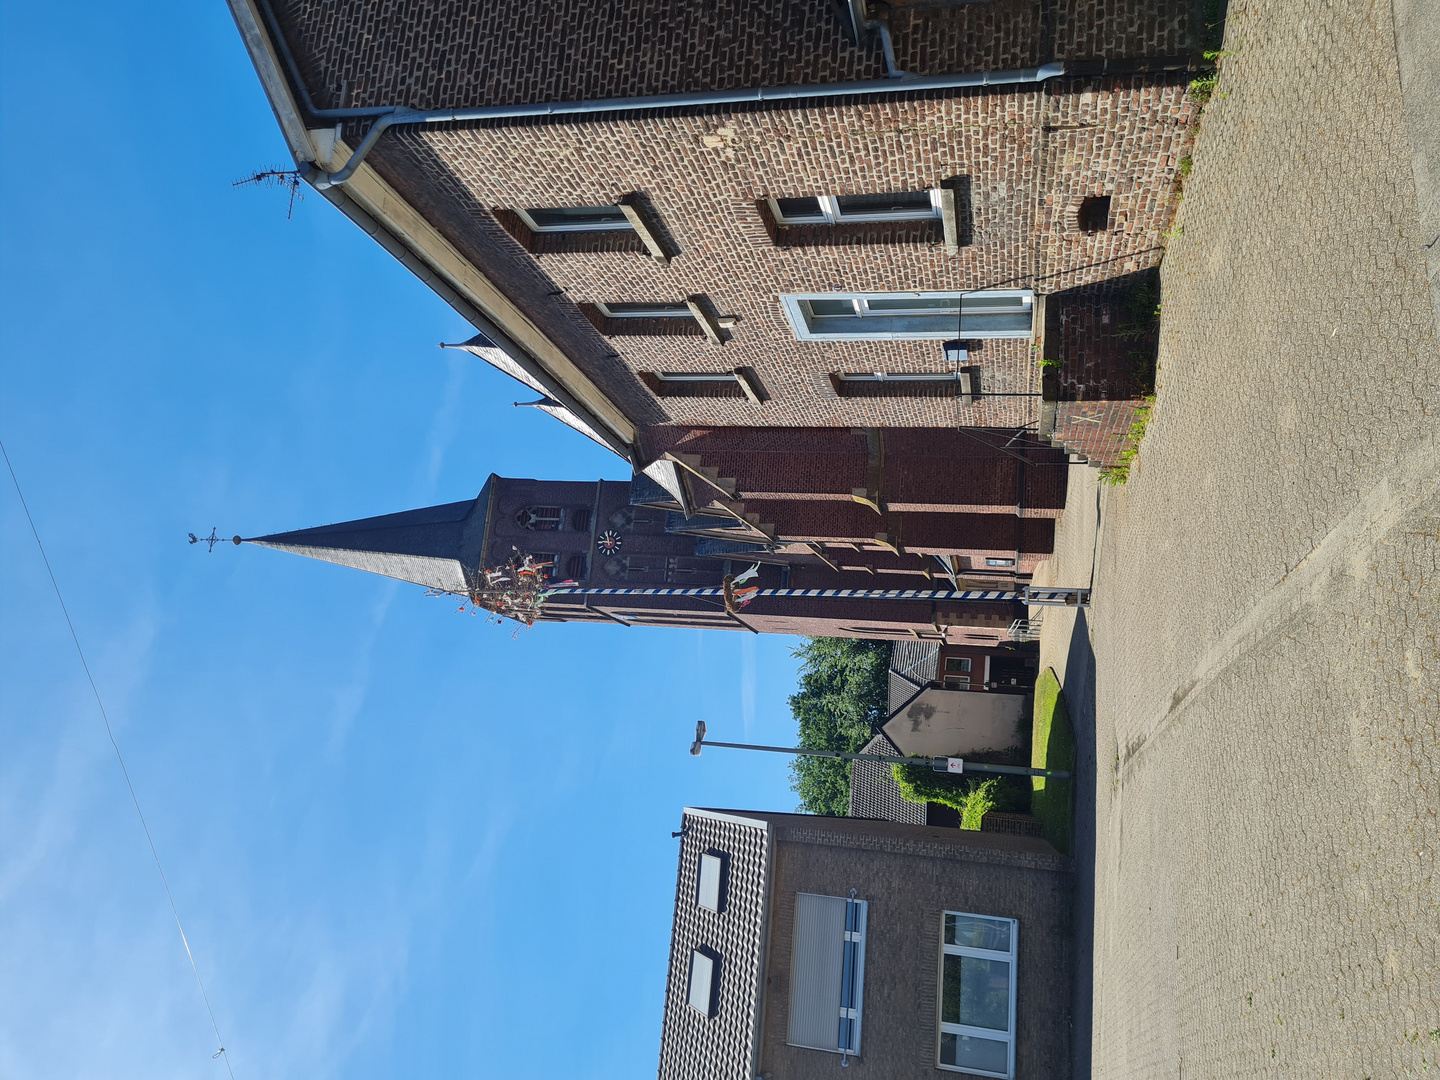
{"x": 853, "y": 594}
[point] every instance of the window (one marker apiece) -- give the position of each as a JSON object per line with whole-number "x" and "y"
{"x": 887, "y": 316}
{"x": 900, "y": 376}
{"x": 840, "y": 209}
{"x": 540, "y": 518}
{"x": 999, "y": 562}
{"x": 703, "y": 983}
{"x": 1095, "y": 214}
{"x": 827, "y": 973}
{"x": 646, "y": 311}
{"x": 977, "y": 995}
{"x": 710, "y": 883}
{"x": 957, "y": 663}
{"x": 740, "y": 383}
{"x": 957, "y": 682}
{"x": 575, "y": 219}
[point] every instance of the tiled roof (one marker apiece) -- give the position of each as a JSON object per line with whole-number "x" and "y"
{"x": 873, "y": 791}
{"x": 722, "y": 1046}
{"x": 918, "y": 661}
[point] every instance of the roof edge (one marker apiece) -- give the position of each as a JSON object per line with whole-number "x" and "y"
{"x": 728, "y": 815}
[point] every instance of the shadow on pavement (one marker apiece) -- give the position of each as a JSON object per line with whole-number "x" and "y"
{"x": 1079, "y": 691}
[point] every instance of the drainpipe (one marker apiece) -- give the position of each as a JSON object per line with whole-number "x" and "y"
{"x": 388, "y": 116}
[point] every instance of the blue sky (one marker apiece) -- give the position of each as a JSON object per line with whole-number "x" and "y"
{"x": 403, "y": 841}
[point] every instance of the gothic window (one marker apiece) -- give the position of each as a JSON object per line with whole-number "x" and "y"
{"x": 580, "y": 519}
{"x": 540, "y": 518}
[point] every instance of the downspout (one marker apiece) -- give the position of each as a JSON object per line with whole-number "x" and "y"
{"x": 388, "y": 116}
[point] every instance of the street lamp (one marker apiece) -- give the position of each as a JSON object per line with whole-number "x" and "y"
{"x": 939, "y": 764}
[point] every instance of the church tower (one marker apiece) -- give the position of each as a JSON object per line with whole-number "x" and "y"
{"x": 632, "y": 552}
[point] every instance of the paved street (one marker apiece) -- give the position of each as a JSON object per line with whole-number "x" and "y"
{"x": 1267, "y": 809}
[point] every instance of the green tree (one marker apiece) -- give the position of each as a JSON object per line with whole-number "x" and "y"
{"x": 844, "y": 690}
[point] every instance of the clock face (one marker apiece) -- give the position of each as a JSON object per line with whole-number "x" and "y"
{"x": 608, "y": 542}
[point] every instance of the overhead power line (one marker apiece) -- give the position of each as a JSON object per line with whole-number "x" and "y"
{"x": 120, "y": 758}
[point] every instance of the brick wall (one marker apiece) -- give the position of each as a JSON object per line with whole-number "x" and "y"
{"x": 435, "y": 54}
{"x": 1029, "y": 158}
{"x": 1096, "y": 429}
{"x": 910, "y": 875}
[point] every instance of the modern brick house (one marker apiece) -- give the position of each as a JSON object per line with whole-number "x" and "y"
{"x": 803, "y": 944}
{"x": 730, "y": 240}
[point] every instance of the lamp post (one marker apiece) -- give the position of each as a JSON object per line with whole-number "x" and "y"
{"x": 939, "y": 764}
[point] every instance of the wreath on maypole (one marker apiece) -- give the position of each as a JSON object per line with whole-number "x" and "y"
{"x": 516, "y": 589}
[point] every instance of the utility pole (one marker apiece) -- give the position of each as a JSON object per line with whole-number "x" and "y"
{"x": 939, "y": 764}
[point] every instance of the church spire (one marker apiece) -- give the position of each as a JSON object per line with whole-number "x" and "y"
{"x": 435, "y": 546}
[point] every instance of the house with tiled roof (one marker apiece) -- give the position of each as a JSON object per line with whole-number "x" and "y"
{"x": 803, "y": 944}
{"x": 920, "y": 672}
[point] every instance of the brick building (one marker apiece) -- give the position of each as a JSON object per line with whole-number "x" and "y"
{"x": 801, "y": 944}
{"x": 630, "y": 555}
{"x": 704, "y": 232}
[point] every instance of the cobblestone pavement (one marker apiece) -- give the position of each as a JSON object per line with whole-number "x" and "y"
{"x": 1265, "y": 625}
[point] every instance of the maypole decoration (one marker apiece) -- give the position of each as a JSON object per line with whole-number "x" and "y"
{"x": 517, "y": 589}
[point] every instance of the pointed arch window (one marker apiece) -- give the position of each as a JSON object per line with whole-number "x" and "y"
{"x": 540, "y": 518}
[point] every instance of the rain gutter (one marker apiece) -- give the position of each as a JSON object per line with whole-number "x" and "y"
{"x": 391, "y": 117}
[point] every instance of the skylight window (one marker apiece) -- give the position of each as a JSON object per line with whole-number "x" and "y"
{"x": 702, "y": 983}
{"x": 711, "y": 881}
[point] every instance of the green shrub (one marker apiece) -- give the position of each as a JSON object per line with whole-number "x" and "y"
{"x": 971, "y": 797}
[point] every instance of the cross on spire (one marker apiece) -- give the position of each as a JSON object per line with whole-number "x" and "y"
{"x": 212, "y": 539}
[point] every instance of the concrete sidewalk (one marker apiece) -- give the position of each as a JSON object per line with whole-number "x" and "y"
{"x": 1065, "y": 646}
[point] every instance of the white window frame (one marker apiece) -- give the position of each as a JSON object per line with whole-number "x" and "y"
{"x": 657, "y": 310}
{"x": 920, "y": 324}
{"x": 579, "y": 226}
{"x": 1010, "y": 958}
{"x": 900, "y": 376}
{"x": 831, "y": 214}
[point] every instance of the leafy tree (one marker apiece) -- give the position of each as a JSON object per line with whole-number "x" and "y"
{"x": 844, "y": 689}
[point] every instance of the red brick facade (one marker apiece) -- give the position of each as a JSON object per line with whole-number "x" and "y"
{"x": 896, "y": 473}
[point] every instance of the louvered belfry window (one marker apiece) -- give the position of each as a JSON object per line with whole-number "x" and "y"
{"x": 827, "y": 973}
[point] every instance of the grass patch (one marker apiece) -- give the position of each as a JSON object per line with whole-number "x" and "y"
{"x": 1120, "y": 471}
{"x": 1053, "y": 747}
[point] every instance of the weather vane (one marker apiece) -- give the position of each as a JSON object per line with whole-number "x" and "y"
{"x": 212, "y": 539}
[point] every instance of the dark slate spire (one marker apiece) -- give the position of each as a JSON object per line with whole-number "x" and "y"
{"x": 432, "y": 546}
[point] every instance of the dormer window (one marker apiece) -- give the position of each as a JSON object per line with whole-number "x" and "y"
{"x": 842, "y": 209}
{"x": 575, "y": 219}
{"x": 540, "y": 518}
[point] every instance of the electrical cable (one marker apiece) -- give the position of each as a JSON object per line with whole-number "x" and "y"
{"x": 118, "y": 757}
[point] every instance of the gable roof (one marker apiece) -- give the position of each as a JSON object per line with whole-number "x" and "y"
{"x": 724, "y": 1045}
{"x": 873, "y": 791}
